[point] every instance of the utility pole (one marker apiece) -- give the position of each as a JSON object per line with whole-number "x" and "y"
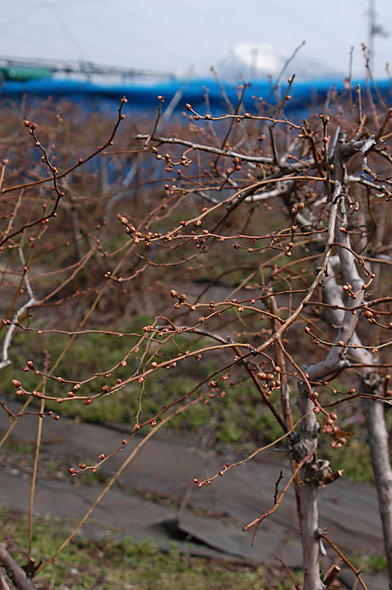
{"x": 372, "y": 17}
{"x": 374, "y": 29}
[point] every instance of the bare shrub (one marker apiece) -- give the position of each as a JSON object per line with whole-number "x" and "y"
{"x": 255, "y": 248}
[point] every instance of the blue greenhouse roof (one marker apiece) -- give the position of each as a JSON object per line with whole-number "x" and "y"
{"x": 304, "y": 96}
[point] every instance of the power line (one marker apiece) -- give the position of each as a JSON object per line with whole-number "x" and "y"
{"x": 68, "y": 32}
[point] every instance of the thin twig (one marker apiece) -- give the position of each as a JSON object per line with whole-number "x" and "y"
{"x": 257, "y": 522}
{"x": 345, "y": 559}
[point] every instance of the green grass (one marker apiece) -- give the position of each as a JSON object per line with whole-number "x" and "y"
{"x": 239, "y": 418}
{"x": 353, "y": 458}
{"x": 127, "y": 565}
{"x": 369, "y": 564}
{"x": 240, "y": 421}
{"x": 377, "y": 563}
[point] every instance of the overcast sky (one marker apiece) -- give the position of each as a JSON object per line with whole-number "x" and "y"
{"x": 175, "y": 34}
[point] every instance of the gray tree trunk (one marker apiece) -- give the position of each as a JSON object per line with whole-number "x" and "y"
{"x": 307, "y": 444}
{"x": 379, "y": 454}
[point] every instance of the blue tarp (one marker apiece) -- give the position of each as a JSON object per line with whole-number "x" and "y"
{"x": 305, "y": 97}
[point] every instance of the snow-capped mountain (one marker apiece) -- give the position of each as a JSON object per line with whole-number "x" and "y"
{"x": 258, "y": 61}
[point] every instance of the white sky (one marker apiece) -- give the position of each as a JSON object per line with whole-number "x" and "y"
{"x": 175, "y": 34}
